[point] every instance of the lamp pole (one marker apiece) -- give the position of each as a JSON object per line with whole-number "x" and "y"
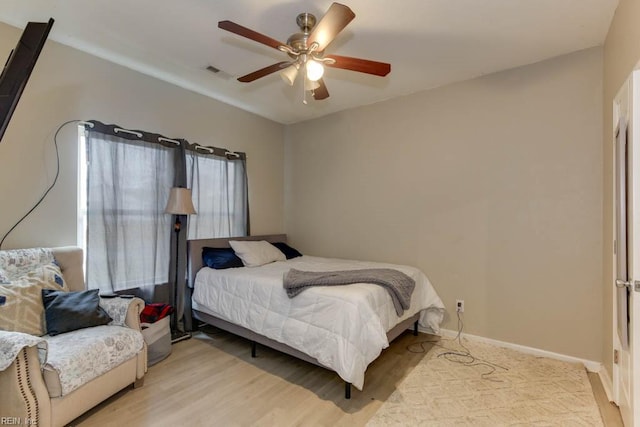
{"x": 174, "y": 320}
{"x": 179, "y": 203}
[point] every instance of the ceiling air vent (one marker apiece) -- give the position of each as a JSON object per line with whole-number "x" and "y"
{"x": 218, "y": 72}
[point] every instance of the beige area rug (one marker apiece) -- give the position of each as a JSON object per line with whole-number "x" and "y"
{"x": 530, "y": 391}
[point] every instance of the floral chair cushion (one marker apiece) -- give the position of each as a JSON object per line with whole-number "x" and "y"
{"x": 77, "y": 357}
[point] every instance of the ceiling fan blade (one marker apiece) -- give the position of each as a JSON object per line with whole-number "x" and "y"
{"x": 360, "y": 65}
{"x": 264, "y": 72}
{"x": 320, "y": 92}
{"x": 334, "y": 21}
{"x": 250, "y": 34}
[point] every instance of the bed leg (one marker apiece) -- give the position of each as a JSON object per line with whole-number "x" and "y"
{"x": 347, "y": 390}
{"x": 253, "y": 348}
{"x": 415, "y": 328}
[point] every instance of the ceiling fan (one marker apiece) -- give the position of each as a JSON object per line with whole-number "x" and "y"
{"x": 306, "y": 50}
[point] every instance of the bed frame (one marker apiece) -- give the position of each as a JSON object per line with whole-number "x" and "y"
{"x": 194, "y": 250}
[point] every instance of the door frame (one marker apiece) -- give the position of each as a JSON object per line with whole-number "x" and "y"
{"x": 626, "y": 368}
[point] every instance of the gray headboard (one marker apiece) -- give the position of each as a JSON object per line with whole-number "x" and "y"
{"x": 194, "y": 249}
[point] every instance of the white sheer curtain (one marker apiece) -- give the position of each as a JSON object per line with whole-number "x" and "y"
{"x": 128, "y": 233}
{"x": 219, "y": 190}
{"x": 129, "y": 239}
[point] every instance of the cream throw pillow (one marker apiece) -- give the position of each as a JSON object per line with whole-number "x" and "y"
{"x": 256, "y": 253}
{"x": 21, "y": 308}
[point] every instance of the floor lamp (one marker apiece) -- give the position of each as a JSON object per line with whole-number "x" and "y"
{"x": 179, "y": 203}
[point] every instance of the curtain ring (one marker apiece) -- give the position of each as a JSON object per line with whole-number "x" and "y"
{"x": 205, "y": 149}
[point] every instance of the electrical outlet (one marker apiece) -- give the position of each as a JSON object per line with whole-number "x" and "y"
{"x": 459, "y": 306}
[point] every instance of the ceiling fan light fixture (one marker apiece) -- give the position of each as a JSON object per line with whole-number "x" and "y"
{"x": 290, "y": 73}
{"x": 315, "y": 70}
{"x": 311, "y": 85}
{"x": 307, "y": 51}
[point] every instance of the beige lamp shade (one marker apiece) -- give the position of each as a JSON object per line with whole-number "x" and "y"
{"x": 289, "y": 74}
{"x": 180, "y": 202}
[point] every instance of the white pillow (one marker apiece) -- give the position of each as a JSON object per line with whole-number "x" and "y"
{"x": 256, "y": 253}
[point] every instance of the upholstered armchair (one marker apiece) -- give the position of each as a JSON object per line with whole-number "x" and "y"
{"x": 49, "y": 380}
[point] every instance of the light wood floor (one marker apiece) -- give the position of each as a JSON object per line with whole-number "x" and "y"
{"x": 211, "y": 379}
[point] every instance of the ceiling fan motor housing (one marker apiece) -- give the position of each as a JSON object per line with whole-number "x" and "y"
{"x": 306, "y": 22}
{"x": 298, "y": 41}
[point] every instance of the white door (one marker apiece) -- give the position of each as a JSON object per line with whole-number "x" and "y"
{"x": 626, "y": 372}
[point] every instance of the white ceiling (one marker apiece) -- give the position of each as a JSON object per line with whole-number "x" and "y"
{"x": 429, "y": 43}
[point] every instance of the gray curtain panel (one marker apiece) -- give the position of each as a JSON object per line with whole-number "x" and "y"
{"x": 220, "y": 196}
{"x": 130, "y": 243}
{"x": 219, "y": 191}
{"x": 128, "y": 239}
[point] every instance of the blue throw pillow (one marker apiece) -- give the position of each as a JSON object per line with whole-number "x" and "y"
{"x": 287, "y": 250}
{"x": 220, "y": 258}
{"x": 68, "y": 311}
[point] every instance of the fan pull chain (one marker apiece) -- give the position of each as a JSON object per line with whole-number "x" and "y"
{"x": 304, "y": 91}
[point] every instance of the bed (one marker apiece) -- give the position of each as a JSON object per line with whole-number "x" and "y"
{"x": 341, "y": 328}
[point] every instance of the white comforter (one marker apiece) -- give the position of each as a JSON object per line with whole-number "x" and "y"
{"x": 343, "y": 327}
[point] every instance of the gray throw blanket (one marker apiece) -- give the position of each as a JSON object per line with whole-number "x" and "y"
{"x": 399, "y": 285}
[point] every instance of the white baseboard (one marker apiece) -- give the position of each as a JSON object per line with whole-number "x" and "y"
{"x": 590, "y": 365}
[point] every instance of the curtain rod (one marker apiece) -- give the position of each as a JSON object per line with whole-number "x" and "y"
{"x": 130, "y": 134}
{"x": 223, "y": 152}
{"x": 172, "y": 141}
{"x": 203, "y": 148}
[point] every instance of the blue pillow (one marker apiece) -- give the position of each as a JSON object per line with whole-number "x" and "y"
{"x": 220, "y": 258}
{"x": 287, "y": 250}
{"x": 69, "y": 311}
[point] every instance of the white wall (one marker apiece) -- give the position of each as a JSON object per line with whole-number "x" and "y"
{"x": 68, "y": 84}
{"x": 493, "y": 187}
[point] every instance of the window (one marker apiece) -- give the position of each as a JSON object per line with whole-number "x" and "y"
{"x": 123, "y": 190}
{"x": 127, "y": 234}
{"x": 219, "y": 192}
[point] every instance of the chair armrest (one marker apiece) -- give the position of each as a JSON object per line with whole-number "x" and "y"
{"x": 24, "y": 394}
{"x": 123, "y": 311}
